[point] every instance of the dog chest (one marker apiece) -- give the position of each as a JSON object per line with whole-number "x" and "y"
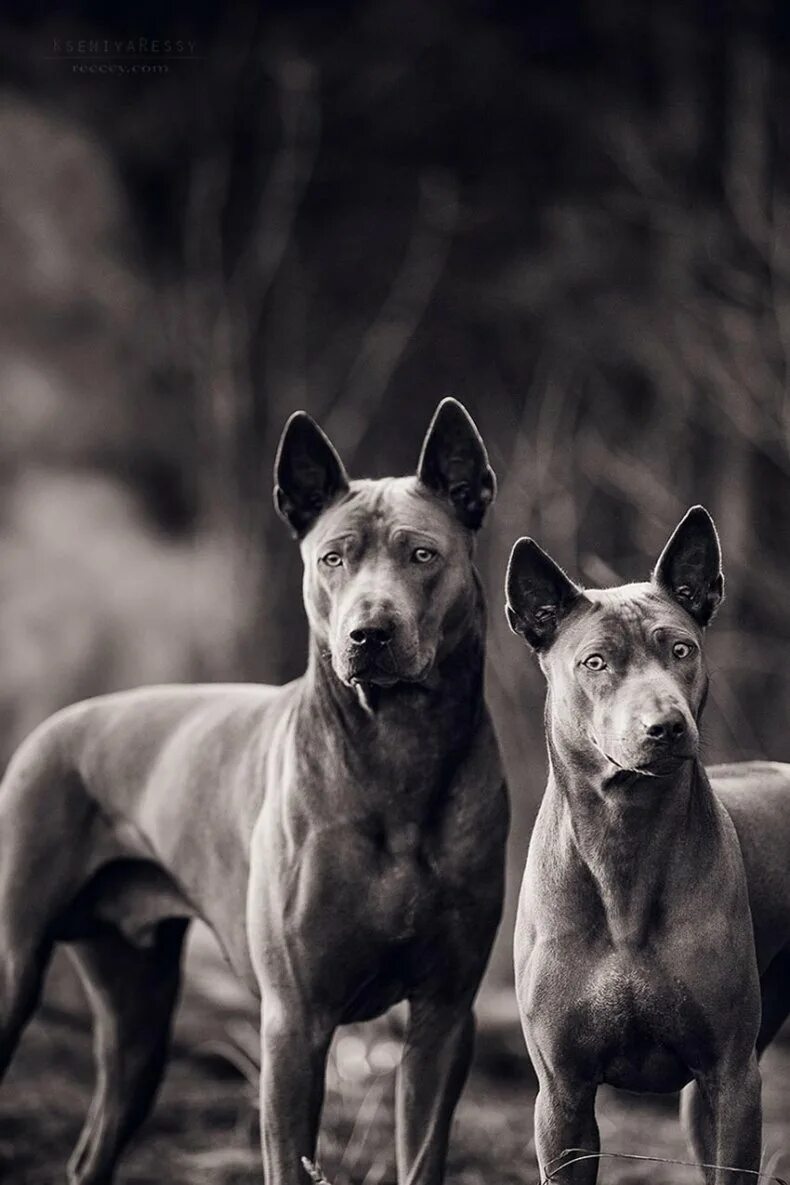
{"x": 407, "y": 883}
{"x": 624, "y": 1020}
{"x": 650, "y": 1019}
{"x": 367, "y": 883}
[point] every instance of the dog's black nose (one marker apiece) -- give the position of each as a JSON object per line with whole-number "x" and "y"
{"x": 669, "y": 727}
{"x": 372, "y": 637}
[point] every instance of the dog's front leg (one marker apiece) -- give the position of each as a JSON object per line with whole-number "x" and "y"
{"x": 433, "y": 1069}
{"x": 565, "y": 1121}
{"x": 722, "y": 1112}
{"x": 294, "y": 1045}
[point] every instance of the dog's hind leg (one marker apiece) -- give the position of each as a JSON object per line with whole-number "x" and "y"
{"x": 37, "y": 854}
{"x": 775, "y": 990}
{"x": 22, "y": 966}
{"x": 133, "y": 992}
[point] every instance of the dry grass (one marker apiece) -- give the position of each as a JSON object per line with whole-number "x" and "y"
{"x": 204, "y": 1129}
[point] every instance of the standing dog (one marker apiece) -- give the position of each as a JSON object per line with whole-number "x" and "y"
{"x": 343, "y": 835}
{"x": 652, "y": 943}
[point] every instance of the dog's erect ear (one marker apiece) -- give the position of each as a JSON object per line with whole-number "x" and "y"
{"x": 454, "y": 463}
{"x": 690, "y": 566}
{"x": 308, "y": 473}
{"x": 539, "y": 594}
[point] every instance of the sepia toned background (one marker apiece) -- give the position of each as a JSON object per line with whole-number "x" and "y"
{"x": 574, "y": 217}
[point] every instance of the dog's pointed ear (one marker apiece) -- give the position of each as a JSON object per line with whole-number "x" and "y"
{"x": 454, "y": 463}
{"x": 689, "y": 568}
{"x": 308, "y": 473}
{"x": 538, "y": 594}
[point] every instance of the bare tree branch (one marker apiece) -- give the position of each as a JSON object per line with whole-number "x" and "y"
{"x": 388, "y": 337}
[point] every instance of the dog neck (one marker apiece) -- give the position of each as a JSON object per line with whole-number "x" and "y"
{"x": 642, "y": 840}
{"x": 400, "y": 741}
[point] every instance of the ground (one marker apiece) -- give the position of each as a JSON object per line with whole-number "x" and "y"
{"x": 204, "y": 1128}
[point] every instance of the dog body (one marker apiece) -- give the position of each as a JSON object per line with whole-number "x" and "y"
{"x": 652, "y": 943}
{"x": 343, "y": 836}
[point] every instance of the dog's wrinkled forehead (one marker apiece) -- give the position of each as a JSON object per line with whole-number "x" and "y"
{"x": 625, "y": 618}
{"x": 373, "y": 508}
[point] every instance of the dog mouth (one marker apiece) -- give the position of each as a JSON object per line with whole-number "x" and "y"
{"x": 383, "y": 671}
{"x": 659, "y": 766}
{"x": 373, "y": 679}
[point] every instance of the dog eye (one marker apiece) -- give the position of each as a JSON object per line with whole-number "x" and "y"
{"x": 423, "y": 555}
{"x": 595, "y": 662}
{"x": 332, "y": 559}
{"x": 682, "y": 649}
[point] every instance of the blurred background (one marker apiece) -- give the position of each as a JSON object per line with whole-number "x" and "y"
{"x": 573, "y": 216}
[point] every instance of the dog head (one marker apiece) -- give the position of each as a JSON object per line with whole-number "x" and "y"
{"x": 388, "y": 579}
{"x": 625, "y": 668}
